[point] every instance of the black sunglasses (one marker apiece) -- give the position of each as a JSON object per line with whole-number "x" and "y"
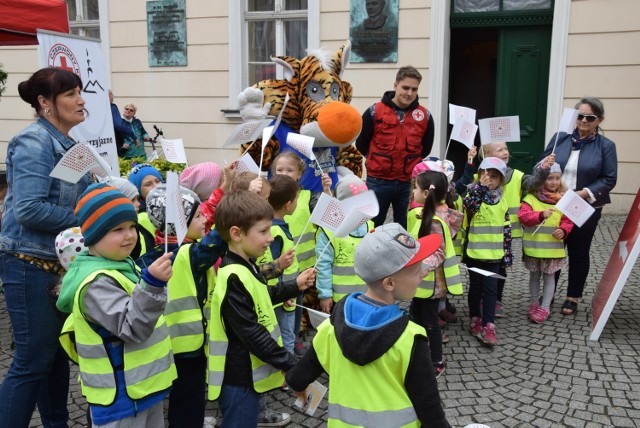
{"x": 590, "y": 117}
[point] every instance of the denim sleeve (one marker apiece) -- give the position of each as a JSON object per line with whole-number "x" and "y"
{"x": 324, "y": 277}
{"x": 32, "y": 162}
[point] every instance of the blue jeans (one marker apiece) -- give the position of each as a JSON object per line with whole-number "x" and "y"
{"x": 239, "y": 406}
{"x": 483, "y": 289}
{"x": 391, "y": 192}
{"x": 286, "y": 322}
{"x": 39, "y": 372}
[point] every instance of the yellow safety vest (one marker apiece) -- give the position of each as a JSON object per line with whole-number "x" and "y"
{"x": 542, "y": 245}
{"x": 144, "y": 221}
{"x": 373, "y": 395}
{"x": 414, "y": 219}
{"x": 459, "y": 237}
{"x": 143, "y": 244}
{"x": 289, "y": 273}
{"x": 265, "y": 376}
{"x": 344, "y": 278}
{"x": 148, "y": 366}
{"x": 485, "y": 236}
{"x": 306, "y": 250}
{"x": 512, "y": 193}
{"x": 183, "y": 313}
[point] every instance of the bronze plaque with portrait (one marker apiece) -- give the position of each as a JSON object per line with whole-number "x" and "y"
{"x": 373, "y": 30}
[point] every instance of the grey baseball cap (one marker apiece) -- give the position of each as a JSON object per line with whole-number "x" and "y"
{"x": 494, "y": 163}
{"x": 389, "y": 248}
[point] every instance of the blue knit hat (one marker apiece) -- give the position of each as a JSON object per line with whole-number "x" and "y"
{"x": 101, "y": 208}
{"x": 140, "y": 171}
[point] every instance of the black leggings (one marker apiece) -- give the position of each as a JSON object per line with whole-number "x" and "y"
{"x": 425, "y": 313}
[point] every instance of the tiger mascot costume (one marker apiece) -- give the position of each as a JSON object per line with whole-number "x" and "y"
{"x": 319, "y": 107}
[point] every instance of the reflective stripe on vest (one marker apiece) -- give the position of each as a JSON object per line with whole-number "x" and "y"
{"x": 513, "y": 195}
{"x": 343, "y": 274}
{"x": 183, "y": 313}
{"x": 289, "y": 273}
{"x": 299, "y": 224}
{"x": 450, "y": 266}
{"x": 542, "y": 244}
{"x": 265, "y": 377}
{"x": 386, "y": 403}
{"x": 485, "y": 237}
{"x": 148, "y": 366}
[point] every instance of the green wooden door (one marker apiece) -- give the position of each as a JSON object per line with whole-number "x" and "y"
{"x": 522, "y": 82}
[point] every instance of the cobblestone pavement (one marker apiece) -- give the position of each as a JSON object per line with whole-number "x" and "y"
{"x": 545, "y": 375}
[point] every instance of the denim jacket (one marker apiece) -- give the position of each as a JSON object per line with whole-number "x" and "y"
{"x": 37, "y": 207}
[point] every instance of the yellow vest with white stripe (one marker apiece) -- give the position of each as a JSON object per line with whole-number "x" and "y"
{"x": 485, "y": 236}
{"x": 414, "y": 218}
{"x": 148, "y": 366}
{"x": 373, "y": 395}
{"x": 542, "y": 245}
{"x": 512, "y": 193}
{"x": 144, "y": 221}
{"x": 289, "y": 273}
{"x": 459, "y": 238}
{"x": 143, "y": 244}
{"x": 183, "y": 313}
{"x": 265, "y": 376}
{"x": 450, "y": 265}
{"x": 344, "y": 278}
{"x": 306, "y": 250}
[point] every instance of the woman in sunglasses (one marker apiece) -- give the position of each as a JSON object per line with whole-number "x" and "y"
{"x": 589, "y": 167}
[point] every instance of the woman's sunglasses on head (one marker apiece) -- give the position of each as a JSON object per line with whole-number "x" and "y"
{"x": 590, "y": 117}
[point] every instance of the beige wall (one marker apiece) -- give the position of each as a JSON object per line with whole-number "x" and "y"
{"x": 186, "y": 102}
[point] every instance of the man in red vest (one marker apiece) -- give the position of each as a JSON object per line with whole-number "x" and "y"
{"x": 397, "y": 132}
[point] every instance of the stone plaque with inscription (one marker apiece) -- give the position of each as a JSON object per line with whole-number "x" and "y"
{"x": 167, "y": 33}
{"x": 373, "y": 30}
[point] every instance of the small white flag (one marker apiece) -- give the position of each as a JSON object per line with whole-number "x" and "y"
{"x": 247, "y": 132}
{"x": 328, "y": 213}
{"x": 77, "y": 161}
{"x": 506, "y": 128}
{"x": 247, "y": 164}
{"x": 175, "y": 210}
{"x": 568, "y": 120}
{"x": 465, "y": 132}
{"x": 174, "y": 150}
{"x": 575, "y": 208}
{"x": 482, "y": 271}
{"x": 301, "y": 143}
{"x": 315, "y": 391}
{"x": 458, "y": 112}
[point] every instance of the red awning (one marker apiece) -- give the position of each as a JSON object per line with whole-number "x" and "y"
{"x": 19, "y": 20}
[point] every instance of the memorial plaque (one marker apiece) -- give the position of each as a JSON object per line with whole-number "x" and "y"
{"x": 167, "y": 33}
{"x": 373, "y": 30}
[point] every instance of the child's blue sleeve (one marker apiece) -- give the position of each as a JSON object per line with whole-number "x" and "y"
{"x": 324, "y": 276}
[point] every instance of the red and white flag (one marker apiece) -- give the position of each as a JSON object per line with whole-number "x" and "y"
{"x": 328, "y": 213}
{"x": 247, "y": 132}
{"x": 494, "y": 129}
{"x": 457, "y": 113}
{"x": 247, "y": 164}
{"x": 173, "y": 205}
{"x": 575, "y": 208}
{"x": 77, "y": 161}
{"x": 301, "y": 143}
{"x": 174, "y": 150}
{"x": 465, "y": 132}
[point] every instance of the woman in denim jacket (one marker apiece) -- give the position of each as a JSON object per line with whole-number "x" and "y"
{"x": 589, "y": 167}
{"x": 36, "y": 208}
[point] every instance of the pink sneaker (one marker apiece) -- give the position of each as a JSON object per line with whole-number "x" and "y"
{"x": 540, "y": 315}
{"x": 532, "y": 308}
{"x": 475, "y": 325}
{"x": 488, "y": 334}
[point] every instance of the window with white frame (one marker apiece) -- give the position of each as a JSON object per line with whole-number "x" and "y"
{"x": 84, "y": 17}
{"x": 259, "y": 29}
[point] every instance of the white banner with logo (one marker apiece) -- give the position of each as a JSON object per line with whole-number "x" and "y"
{"x": 84, "y": 57}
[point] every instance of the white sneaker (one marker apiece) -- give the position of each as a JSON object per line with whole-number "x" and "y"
{"x": 209, "y": 422}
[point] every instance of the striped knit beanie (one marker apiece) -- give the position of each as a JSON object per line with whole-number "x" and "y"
{"x": 101, "y": 208}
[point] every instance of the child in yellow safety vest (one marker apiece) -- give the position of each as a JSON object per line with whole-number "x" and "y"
{"x": 487, "y": 244}
{"x": 545, "y": 229}
{"x": 377, "y": 359}
{"x": 117, "y": 332}
{"x": 435, "y": 217}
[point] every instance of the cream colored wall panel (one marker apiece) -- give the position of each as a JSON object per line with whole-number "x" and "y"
{"x": 626, "y": 146}
{"x": 207, "y": 8}
{"x": 620, "y": 204}
{"x": 199, "y": 58}
{"x": 603, "y": 49}
{"x": 413, "y": 23}
{"x": 334, "y": 26}
{"x": 19, "y": 60}
{"x": 170, "y": 84}
{"x": 129, "y": 34}
{"x": 207, "y": 30}
{"x": 12, "y": 107}
{"x": 610, "y": 81}
{"x": 590, "y": 16}
{"x": 120, "y": 11}
{"x": 414, "y": 52}
{"x": 627, "y": 178}
{"x": 335, "y": 5}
